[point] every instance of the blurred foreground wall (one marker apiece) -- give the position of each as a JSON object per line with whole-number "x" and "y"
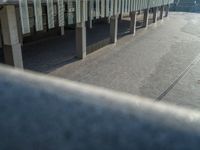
{"x": 39, "y": 112}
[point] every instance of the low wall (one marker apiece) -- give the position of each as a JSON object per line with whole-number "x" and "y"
{"x": 46, "y": 113}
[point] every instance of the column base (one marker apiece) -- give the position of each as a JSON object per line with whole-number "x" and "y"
{"x": 13, "y": 55}
{"x": 113, "y": 29}
{"x": 62, "y": 31}
{"x": 80, "y": 41}
{"x": 161, "y": 12}
{"x": 155, "y": 16}
{"x": 146, "y": 18}
{"x": 167, "y": 11}
{"x": 133, "y": 16}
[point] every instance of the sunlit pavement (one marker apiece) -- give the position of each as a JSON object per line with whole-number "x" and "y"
{"x": 155, "y": 64}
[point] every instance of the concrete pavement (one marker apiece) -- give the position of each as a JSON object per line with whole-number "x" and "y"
{"x": 146, "y": 65}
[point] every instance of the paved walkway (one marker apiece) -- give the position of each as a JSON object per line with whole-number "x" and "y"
{"x": 152, "y": 64}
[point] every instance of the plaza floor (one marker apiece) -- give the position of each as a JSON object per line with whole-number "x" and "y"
{"x": 160, "y": 62}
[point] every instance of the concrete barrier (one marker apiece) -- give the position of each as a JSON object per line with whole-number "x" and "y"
{"x": 46, "y": 113}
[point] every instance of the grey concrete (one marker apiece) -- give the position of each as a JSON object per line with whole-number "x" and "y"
{"x": 145, "y": 65}
{"x": 113, "y": 28}
{"x": 146, "y": 18}
{"x": 161, "y": 12}
{"x": 186, "y": 91}
{"x": 133, "y": 17}
{"x": 10, "y": 33}
{"x": 46, "y": 113}
{"x": 155, "y": 14}
{"x": 81, "y": 40}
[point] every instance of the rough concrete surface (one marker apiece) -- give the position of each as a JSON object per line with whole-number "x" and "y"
{"x": 187, "y": 91}
{"x": 145, "y": 65}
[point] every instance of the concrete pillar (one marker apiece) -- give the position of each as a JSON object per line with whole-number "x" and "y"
{"x": 161, "y": 12}
{"x": 81, "y": 40}
{"x": 11, "y": 45}
{"x": 155, "y": 14}
{"x": 1, "y": 42}
{"x": 62, "y": 31}
{"x": 146, "y": 17}
{"x": 19, "y": 27}
{"x": 121, "y": 16}
{"x": 108, "y": 20}
{"x": 113, "y": 28}
{"x": 133, "y": 16}
{"x": 167, "y": 10}
{"x": 90, "y": 24}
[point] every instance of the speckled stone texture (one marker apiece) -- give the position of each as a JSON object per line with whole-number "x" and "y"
{"x": 44, "y": 113}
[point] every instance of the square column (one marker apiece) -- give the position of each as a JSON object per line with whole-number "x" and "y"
{"x": 146, "y": 17}
{"x": 62, "y": 31}
{"x": 113, "y": 28}
{"x": 19, "y": 28}
{"x": 167, "y": 10}
{"x": 161, "y": 12}
{"x": 155, "y": 14}
{"x": 1, "y": 42}
{"x": 90, "y": 24}
{"x": 133, "y": 16}
{"x": 81, "y": 45}
{"x": 11, "y": 44}
{"x": 81, "y": 40}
